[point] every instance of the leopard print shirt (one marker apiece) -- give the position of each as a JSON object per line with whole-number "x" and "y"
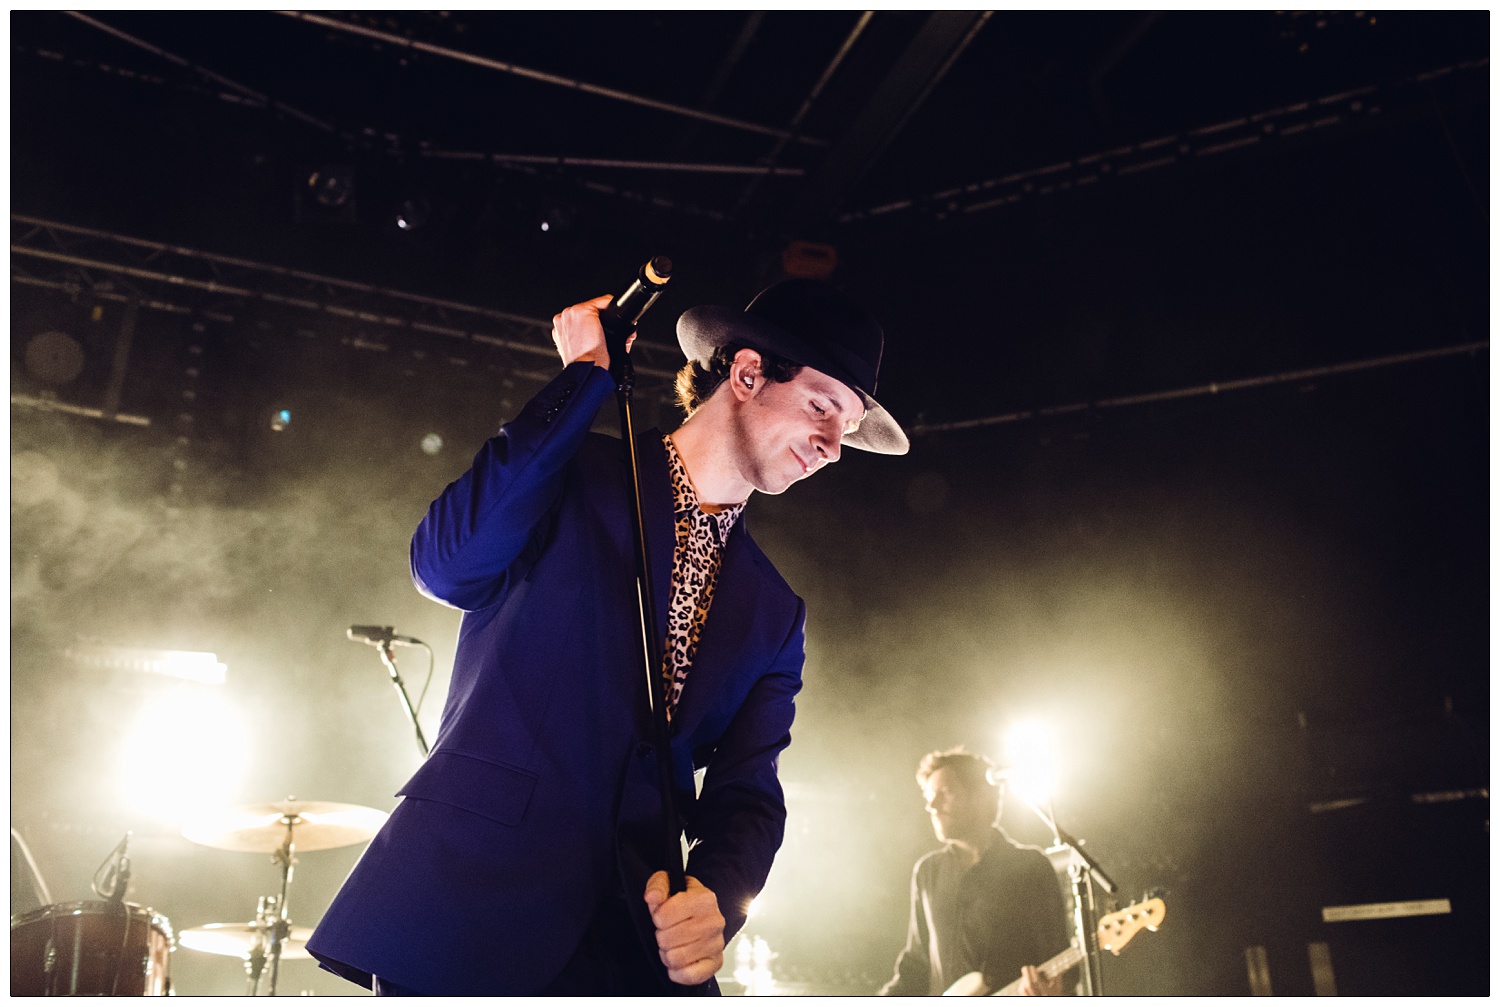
{"x": 699, "y": 553}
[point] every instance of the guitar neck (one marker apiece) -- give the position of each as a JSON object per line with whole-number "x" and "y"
{"x": 1052, "y": 967}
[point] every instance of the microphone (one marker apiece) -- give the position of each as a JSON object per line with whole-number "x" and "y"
{"x": 113, "y": 876}
{"x": 621, "y": 317}
{"x": 379, "y": 636}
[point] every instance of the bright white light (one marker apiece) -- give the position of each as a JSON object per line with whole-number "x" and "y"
{"x": 187, "y": 752}
{"x": 546, "y": 226}
{"x": 753, "y": 909}
{"x": 189, "y": 665}
{"x": 752, "y": 966}
{"x": 1031, "y": 754}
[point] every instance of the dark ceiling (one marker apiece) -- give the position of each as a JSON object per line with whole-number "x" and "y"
{"x": 966, "y": 168}
{"x": 1215, "y": 286}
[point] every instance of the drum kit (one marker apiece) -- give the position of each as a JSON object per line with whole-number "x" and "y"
{"x": 115, "y": 948}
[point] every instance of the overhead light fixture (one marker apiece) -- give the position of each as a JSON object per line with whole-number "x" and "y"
{"x": 327, "y": 193}
{"x": 413, "y": 213}
{"x": 54, "y": 357}
{"x": 188, "y": 665}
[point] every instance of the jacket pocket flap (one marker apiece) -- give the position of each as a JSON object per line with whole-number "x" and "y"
{"x": 499, "y": 793}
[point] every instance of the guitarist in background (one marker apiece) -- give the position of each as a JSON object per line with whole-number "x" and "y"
{"x": 981, "y": 903}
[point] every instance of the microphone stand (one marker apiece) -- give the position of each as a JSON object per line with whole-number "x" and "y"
{"x": 1083, "y": 873}
{"x": 619, "y": 321}
{"x": 388, "y": 658}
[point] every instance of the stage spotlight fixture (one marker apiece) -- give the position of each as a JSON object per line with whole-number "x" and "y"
{"x": 1031, "y": 755}
{"x": 202, "y": 667}
{"x": 327, "y": 194}
{"x": 281, "y": 419}
{"x": 413, "y": 213}
{"x": 331, "y": 187}
{"x": 559, "y": 218}
{"x": 54, "y": 357}
{"x": 809, "y": 260}
{"x": 432, "y": 444}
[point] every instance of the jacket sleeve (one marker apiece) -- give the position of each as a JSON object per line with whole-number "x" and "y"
{"x": 463, "y": 551}
{"x": 737, "y": 822}
{"x": 914, "y": 965}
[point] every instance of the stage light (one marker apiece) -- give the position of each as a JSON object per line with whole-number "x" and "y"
{"x": 331, "y": 187}
{"x": 413, "y": 214}
{"x": 1031, "y": 755}
{"x": 281, "y": 419}
{"x": 189, "y": 665}
{"x": 54, "y": 357}
{"x": 752, "y": 966}
{"x": 327, "y": 193}
{"x": 186, "y": 751}
{"x": 560, "y": 218}
{"x": 432, "y": 444}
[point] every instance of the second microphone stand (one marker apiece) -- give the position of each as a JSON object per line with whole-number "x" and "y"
{"x": 388, "y": 658}
{"x": 1083, "y": 873}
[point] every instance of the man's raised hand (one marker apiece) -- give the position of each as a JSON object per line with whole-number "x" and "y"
{"x": 579, "y": 335}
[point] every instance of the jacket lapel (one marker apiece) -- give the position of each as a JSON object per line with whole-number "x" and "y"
{"x": 727, "y": 631}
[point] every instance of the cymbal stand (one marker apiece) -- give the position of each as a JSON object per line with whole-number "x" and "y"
{"x": 255, "y": 961}
{"x": 281, "y": 924}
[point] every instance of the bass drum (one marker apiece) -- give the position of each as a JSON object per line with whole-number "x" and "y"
{"x": 90, "y": 949}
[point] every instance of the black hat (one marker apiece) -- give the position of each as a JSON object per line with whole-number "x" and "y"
{"x": 808, "y": 323}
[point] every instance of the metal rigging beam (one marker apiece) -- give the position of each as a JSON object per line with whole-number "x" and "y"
{"x": 546, "y": 78}
{"x": 185, "y": 269}
{"x": 937, "y": 45}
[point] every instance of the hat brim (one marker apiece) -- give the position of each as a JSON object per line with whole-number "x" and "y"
{"x": 702, "y": 330}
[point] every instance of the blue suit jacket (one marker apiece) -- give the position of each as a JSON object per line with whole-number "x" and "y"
{"x": 540, "y": 793}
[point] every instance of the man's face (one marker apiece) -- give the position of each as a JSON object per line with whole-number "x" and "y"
{"x": 787, "y": 430}
{"x": 958, "y": 812}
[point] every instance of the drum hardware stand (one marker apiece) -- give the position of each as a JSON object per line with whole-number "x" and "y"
{"x": 255, "y": 963}
{"x": 274, "y": 907}
{"x": 1083, "y": 873}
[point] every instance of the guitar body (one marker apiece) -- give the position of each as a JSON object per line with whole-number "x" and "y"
{"x": 971, "y": 985}
{"x": 1115, "y": 931}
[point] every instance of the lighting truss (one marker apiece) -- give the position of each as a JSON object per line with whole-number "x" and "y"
{"x": 224, "y": 289}
{"x": 1160, "y": 152}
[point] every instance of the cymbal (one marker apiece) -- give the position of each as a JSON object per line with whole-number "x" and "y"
{"x": 238, "y": 940}
{"x": 262, "y": 828}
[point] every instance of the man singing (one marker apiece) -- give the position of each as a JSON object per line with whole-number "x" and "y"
{"x": 525, "y": 857}
{"x": 980, "y": 904}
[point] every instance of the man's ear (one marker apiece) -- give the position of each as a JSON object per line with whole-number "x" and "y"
{"x": 745, "y": 375}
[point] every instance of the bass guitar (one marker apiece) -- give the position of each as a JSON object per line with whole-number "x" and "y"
{"x": 1115, "y": 931}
